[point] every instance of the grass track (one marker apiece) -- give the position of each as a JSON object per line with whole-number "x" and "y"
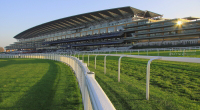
{"x": 36, "y": 84}
{"x": 173, "y": 85}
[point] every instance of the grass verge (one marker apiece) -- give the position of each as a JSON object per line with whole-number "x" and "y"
{"x": 37, "y": 84}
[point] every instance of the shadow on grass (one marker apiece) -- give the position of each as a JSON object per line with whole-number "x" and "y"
{"x": 19, "y": 61}
{"x": 40, "y": 96}
{"x": 55, "y": 89}
{"x": 1, "y": 100}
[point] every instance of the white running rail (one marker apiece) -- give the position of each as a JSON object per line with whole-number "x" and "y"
{"x": 151, "y": 58}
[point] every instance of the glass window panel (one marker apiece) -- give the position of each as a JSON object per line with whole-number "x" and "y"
{"x": 83, "y": 33}
{"x": 72, "y": 35}
{"x": 119, "y": 28}
{"x": 103, "y": 30}
{"x": 78, "y": 34}
{"x": 63, "y": 37}
{"x": 96, "y": 31}
{"x": 68, "y": 36}
{"x": 111, "y": 29}
{"x": 59, "y": 37}
{"x": 89, "y": 33}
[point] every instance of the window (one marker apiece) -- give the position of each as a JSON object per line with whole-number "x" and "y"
{"x": 63, "y": 37}
{"x": 111, "y": 29}
{"x": 173, "y": 32}
{"x": 166, "y": 33}
{"x": 142, "y": 22}
{"x": 168, "y": 23}
{"x": 133, "y": 24}
{"x": 68, "y": 36}
{"x": 103, "y": 30}
{"x": 83, "y": 34}
{"x": 142, "y": 31}
{"x": 55, "y": 38}
{"x": 153, "y": 25}
{"x": 78, "y": 34}
{"x": 96, "y": 31}
{"x": 59, "y": 37}
{"x": 158, "y": 34}
{"x": 190, "y": 31}
{"x": 142, "y": 35}
{"x": 72, "y": 35}
{"x": 142, "y": 27}
{"x": 156, "y": 29}
{"x": 168, "y": 28}
{"x": 89, "y": 33}
{"x": 119, "y": 28}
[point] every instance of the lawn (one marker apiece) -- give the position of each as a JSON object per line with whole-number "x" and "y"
{"x": 38, "y": 84}
{"x": 173, "y": 85}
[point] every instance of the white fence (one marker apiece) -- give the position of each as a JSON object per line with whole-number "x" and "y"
{"x": 93, "y": 96}
{"x": 151, "y": 58}
{"x": 172, "y": 51}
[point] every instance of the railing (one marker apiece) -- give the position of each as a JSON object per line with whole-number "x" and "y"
{"x": 151, "y": 58}
{"x": 137, "y": 51}
{"x": 93, "y": 96}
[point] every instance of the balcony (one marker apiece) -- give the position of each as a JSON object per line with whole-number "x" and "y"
{"x": 130, "y": 25}
{"x": 169, "y": 35}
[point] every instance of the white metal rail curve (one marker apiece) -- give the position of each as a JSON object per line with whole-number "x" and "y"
{"x": 93, "y": 96}
{"x": 151, "y": 58}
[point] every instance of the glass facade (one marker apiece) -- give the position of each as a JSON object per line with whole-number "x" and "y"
{"x": 68, "y": 36}
{"x": 63, "y": 37}
{"x": 111, "y": 29}
{"x": 60, "y": 37}
{"x": 89, "y": 33}
{"x": 78, "y": 34}
{"x": 83, "y": 34}
{"x": 72, "y": 35}
{"x": 96, "y": 31}
{"x": 119, "y": 28}
{"x": 103, "y": 30}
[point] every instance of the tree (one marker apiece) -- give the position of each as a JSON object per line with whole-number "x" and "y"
{"x": 1, "y": 49}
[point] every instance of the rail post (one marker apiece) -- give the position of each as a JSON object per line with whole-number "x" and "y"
{"x": 95, "y": 61}
{"x": 148, "y": 76}
{"x": 78, "y": 56}
{"x": 88, "y": 59}
{"x": 83, "y": 58}
{"x": 105, "y": 64}
{"x": 119, "y": 61}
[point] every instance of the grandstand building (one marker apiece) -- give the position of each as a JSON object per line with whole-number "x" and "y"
{"x": 125, "y": 26}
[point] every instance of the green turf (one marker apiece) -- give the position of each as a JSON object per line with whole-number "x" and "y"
{"x": 173, "y": 85}
{"x": 36, "y": 84}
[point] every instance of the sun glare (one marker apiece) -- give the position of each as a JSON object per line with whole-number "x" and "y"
{"x": 179, "y": 22}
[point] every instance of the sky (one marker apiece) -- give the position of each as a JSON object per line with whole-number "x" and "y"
{"x": 19, "y": 15}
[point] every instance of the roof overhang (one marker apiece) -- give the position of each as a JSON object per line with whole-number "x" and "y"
{"x": 191, "y": 18}
{"x": 84, "y": 19}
